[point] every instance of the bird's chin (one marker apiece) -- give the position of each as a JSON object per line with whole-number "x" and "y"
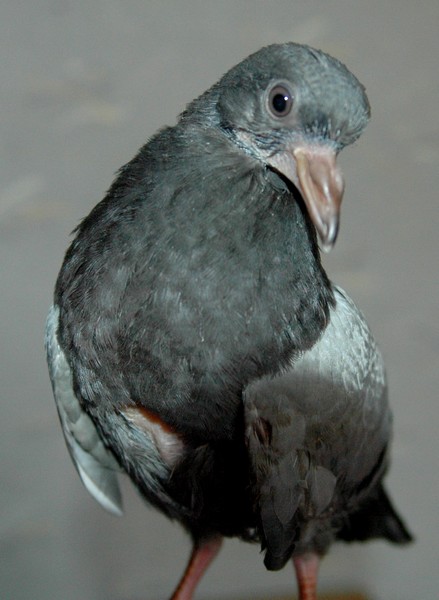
{"x": 313, "y": 171}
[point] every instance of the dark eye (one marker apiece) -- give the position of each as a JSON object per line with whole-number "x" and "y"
{"x": 280, "y": 101}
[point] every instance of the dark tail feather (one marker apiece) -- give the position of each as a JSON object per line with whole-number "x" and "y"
{"x": 376, "y": 518}
{"x": 277, "y": 538}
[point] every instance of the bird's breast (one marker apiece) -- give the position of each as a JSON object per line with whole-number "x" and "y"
{"x": 180, "y": 300}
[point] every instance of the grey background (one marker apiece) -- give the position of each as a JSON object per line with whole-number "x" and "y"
{"x": 83, "y": 84}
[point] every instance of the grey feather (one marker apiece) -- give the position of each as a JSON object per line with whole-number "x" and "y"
{"x": 328, "y": 424}
{"x": 95, "y": 464}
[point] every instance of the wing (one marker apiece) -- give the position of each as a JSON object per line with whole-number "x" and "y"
{"x": 95, "y": 464}
{"x": 316, "y": 432}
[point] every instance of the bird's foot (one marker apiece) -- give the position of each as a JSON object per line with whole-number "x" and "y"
{"x": 306, "y": 567}
{"x": 202, "y": 555}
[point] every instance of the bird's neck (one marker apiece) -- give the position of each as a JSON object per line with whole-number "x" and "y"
{"x": 263, "y": 293}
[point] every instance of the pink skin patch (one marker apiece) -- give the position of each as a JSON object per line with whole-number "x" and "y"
{"x": 167, "y": 441}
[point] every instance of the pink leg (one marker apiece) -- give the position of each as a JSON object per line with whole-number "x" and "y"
{"x": 306, "y": 567}
{"x": 201, "y": 557}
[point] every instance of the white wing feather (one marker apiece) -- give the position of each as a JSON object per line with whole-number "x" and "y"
{"x": 95, "y": 464}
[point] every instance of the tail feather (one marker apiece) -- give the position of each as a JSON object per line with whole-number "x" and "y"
{"x": 376, "y": 518}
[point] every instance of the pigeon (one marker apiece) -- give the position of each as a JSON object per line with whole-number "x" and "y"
{"x": 196, "y": 343}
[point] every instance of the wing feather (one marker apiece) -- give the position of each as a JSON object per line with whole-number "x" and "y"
{"x": 315, "y": 433}
{"x": 95, "y": 464}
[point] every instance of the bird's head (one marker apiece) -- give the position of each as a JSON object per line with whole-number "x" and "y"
{"x": 294, "y": 108}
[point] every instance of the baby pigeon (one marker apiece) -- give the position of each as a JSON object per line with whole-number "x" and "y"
{"x": 196, "y": 343}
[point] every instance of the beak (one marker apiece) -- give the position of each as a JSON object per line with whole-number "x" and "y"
{"x": 313, "y": 170}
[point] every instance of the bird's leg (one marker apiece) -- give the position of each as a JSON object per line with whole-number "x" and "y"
{"x": 306, "y": 567}
{"x": 202, "y": 555}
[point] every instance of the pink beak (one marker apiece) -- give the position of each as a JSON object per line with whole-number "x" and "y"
{"x": 314, "y": 172}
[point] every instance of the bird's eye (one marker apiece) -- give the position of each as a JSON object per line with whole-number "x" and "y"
{"x": 280, "y": 101}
